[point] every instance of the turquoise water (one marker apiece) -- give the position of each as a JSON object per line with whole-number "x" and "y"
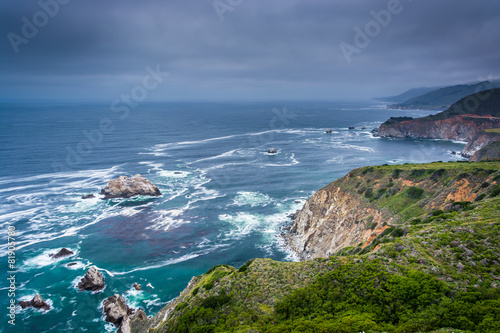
{"x": 224, "y": 198}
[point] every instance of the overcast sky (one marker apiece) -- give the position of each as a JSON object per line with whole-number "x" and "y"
{"x": 244, "y": 49}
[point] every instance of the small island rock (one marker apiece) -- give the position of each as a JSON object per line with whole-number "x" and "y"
{"x": 125, "y": 187}
{"x": 352, "y": 127}
{"x": 37, "y": 302}
{"x": 137, "y": 286}
{"x": 64, "y": 252}
{"x": 272, "y": 151}
{"x": 88, "y": 196}
{"x": 93, "y": 280}
{"x": 329, "y": 131}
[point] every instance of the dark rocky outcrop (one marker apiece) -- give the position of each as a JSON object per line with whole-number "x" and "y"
{"x": 125, "y": 187}
{"x": 352, "y": 127}
{"x": 88, "y": 196}
{"x": 137, "y": 286}
{"x": 37, "y": 302}
{"x": 93, "y": 280}
{"x": 329, "y": 131}
{"x": 64, "y": 252}
{"x": 272, "y": 151}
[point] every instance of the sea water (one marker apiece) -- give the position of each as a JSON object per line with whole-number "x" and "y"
{"x": 224, "y": 198}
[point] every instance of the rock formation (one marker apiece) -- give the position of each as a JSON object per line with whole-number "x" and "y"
{"x": 64, "y": 252}
{"x": 125, "y": 187}
{"x": 37, "y": 302}
{"x": 272, "y": 151}
{"x": 352, "y": 127}
{"x": 329, "y": 131}
{"x": 480, "y": 140}
{"x": 116, "y": 309}
{"x": 88, "y": 196}
{"x": 93, "y": 280}
{"x": 137, "y": 286}
{"x": 331, "y": 220}
{"x": 465, "y": 120}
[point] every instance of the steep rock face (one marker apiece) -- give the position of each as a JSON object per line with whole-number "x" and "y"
{"x": 125, "y": 187}
{"x": 331, "y": 220}
{"x": 355, "y": 209}
{"x": 463, "y": 127}
{"x": 479, "y": 141}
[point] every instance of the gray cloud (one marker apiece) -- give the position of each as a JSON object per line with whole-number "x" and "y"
{"x": 262, "y": 49}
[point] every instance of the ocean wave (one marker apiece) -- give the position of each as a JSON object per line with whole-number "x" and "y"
{"x": 252, "y": 199}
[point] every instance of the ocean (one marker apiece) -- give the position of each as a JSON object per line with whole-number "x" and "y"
{"x": 224, "y": 198}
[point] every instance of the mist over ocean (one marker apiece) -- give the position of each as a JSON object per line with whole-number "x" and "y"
{"x": 224, "y": 197}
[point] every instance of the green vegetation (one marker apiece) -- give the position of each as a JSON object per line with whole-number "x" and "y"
{"x": 444, "y": 97}
{"x": 435, "y": 268}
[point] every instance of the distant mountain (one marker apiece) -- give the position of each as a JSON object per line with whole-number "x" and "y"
{"x": 415, "y": 92}
{"x": 444, "y": 97}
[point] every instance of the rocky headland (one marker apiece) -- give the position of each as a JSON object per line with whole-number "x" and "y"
{"x": 466, "y": 120}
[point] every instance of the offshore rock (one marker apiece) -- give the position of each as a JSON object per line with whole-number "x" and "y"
{"x": 329, "y": 131}
{"x": 93, "y": 280}
{"x": 64, "y": 252}
{"x": 272, "y": 151}
{"x": 37, "y": 302}
{"x": 88, "y": 196}
{"x": 116, "y": 309}
{"x": 125, "y": 187}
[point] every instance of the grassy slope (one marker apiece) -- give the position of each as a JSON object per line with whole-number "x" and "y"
{"x": 453, "y": 250}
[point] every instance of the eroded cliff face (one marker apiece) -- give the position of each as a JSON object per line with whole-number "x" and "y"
{"x": 331, "y": 220}
{"x": 463, "y": 128}
{"x": 355, "y": 209}
{"x": 479, "y": 141}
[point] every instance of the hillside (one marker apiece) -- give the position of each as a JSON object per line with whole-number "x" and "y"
{"x": 464, "y": 121}
{"x": 434, "y": 265}
{"x": 444, "y": 97}
{"x": 415, "y": 92}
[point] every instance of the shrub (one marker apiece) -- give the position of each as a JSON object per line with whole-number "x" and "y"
{"x": 414, "y": 192}
{"x": 495, "y": 191}
{"x": 480, "y": 197}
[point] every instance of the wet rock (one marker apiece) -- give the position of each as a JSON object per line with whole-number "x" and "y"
{"x": 116, "y": 309}
{"x": 272, "y": 151}
{"x": 125, "y": 187}
{"x": 37, "y": 302}
{"x": 329, "y": 131}
{"x": 64, "y": 252}
{"x": 71, "y": 264}
{"x": 352, "y": 127}
{"x": 93, "y": 280}
{"x": 137, "y": 286}
{"x": 88, "y": 196}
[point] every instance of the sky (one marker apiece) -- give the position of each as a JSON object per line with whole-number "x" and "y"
{"x": 243, "y": 49}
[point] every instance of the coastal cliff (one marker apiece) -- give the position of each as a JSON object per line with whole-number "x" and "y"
{"x": 426, "y": 235}
{"x": 463, "y": 121}
{"x": 357, "y": 208}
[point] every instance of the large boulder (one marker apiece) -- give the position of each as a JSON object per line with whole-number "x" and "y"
{"x": 64, "y": 252}
{"x": 93, "y": 280}
{"x": 272, "y": 151}
{"x": 37, "y": 302}
{"x": 125, "y": 187}
{"x": 116, "y": 309}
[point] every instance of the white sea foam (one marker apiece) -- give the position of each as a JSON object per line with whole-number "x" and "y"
{"x": 252, "y": 199}
{"x": 168, "y": 262}
{"x": 44, "y": 259}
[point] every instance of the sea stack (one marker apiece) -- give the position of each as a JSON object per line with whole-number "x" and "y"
{"x": 93, "y": 280}
{"x": 272, "y": 151}
{"x": 37, "y": 302}
{"x": 329, "y": 131}
{"x": 125, "y": 187}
